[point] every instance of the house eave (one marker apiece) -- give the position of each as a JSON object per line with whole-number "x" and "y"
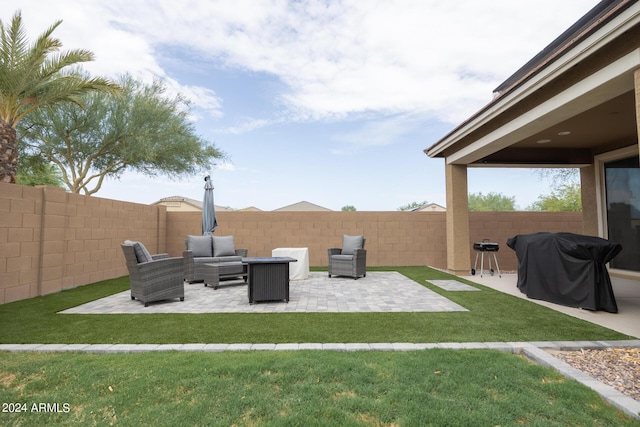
{"x": 516, "y": 93}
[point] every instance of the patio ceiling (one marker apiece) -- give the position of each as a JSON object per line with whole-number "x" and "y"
{"x": 571, "y": 142}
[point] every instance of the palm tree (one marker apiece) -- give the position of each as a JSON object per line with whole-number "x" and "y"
{"x": 33, "y": 76}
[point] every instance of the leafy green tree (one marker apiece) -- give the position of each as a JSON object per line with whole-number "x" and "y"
{"x": 142, "y": 130}
{"x": 411, "y": 206}
{"x": 559, "y": 175}
{"x": 565, "y": 197}
{"x": 32, "y": 76}
{"x": 348, "y": 208}
{"x": 34, "y": 170}
{"x": 491, "y": 202}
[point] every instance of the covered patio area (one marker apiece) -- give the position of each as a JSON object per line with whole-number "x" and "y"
{"x": 627, "y": 293}
{"x": 574, "y": 105}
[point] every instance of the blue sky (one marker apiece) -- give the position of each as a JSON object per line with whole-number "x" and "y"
{"x": 331, "y": 102}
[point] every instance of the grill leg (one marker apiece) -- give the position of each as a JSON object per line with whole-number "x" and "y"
{"x": 475, "y": 265}
{"x": 495, "y": 258}
{"x": 482, "y": 264}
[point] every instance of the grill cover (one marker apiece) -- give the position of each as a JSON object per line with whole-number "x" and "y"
{"x": 565, "y": 268}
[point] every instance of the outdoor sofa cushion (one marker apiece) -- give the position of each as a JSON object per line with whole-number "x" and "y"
{"x": 351, "y": 243}
{"x": 342, "y": 257}
{"x": 142, "y": 253}
{"x": 200, "y": 246}
{"x": 223, "y": 246}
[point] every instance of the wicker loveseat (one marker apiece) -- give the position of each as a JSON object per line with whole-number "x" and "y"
{"x": 201, "y": 250}
{"x": 350, "y": 260}
{"x": 153, "y": 277}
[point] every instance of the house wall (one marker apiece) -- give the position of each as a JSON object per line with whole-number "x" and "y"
{"x": 179, "y": 206}
{"x": 52, "y": 240}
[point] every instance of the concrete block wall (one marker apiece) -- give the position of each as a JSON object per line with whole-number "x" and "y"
{"x": 499, "y": 226}
{"x": 393, "y": 238}
{"x": 52, "y": 240}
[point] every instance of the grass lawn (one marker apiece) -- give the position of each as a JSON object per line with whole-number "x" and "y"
{"x": 298, "y": 388}
{"x": 492, "y": 316}
{"x": 369, "y": 388}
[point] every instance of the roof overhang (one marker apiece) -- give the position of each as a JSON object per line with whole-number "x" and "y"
{"x": 575, "y": 92}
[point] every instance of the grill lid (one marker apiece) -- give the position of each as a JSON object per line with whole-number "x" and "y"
{"x": 486, "y": 246}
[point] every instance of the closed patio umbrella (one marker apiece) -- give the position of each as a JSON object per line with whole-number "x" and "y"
{"x": 209, "y": 221}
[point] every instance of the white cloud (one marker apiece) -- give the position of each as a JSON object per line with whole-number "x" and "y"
{"x": 246, "y": 126}
{"x": 383, "y": 131}
{"x": 337, "y": 58}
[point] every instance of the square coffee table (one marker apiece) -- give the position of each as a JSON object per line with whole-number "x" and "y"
{"x": 215, "y": 271}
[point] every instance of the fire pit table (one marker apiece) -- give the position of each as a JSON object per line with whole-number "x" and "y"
{"x": 268, "y": 278}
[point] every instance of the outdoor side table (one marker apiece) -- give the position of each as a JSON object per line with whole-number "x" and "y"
{"x": 268, "y": 278}
{"x": 299, "y": 270}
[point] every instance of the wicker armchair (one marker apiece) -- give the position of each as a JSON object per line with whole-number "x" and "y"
{"x": 350, "y": 260}
{"x": 153, "y": 277}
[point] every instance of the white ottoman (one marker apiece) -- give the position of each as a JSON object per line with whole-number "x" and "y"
{"x": 297, "y": 270}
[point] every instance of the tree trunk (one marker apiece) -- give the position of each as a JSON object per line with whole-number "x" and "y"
{"x": 8, "y": 153}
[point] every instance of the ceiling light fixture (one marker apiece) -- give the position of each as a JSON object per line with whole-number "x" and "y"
{"x": 543, "y": 141}
{"x": 564, "y": 132}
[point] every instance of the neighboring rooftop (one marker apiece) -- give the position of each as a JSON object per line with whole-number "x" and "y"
{"x": 303, "y": 206}
{"x": 430, "y": 207}
{"x": 184, "y": 204}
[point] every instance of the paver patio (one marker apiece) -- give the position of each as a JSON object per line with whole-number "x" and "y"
{"x": 377, "y": 292}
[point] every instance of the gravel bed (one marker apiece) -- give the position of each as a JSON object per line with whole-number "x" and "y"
{"x": 616, "y": 367}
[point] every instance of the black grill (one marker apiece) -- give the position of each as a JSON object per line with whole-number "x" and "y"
{"x": 486, "y": 247}
{"x": 481, "y": 248}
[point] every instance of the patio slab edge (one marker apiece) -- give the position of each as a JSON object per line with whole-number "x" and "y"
{"x": 535, "y": 351}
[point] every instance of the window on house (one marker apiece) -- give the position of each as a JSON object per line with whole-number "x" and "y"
{"x": 622, "y": 183}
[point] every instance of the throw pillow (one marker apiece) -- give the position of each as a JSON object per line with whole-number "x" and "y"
{"x": 351, "y": 243}
{"x": 200, "y": 246}
{"x": 223, "y": 246}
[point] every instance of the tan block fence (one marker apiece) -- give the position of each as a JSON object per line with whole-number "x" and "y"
{"x": 52, "y": 240}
